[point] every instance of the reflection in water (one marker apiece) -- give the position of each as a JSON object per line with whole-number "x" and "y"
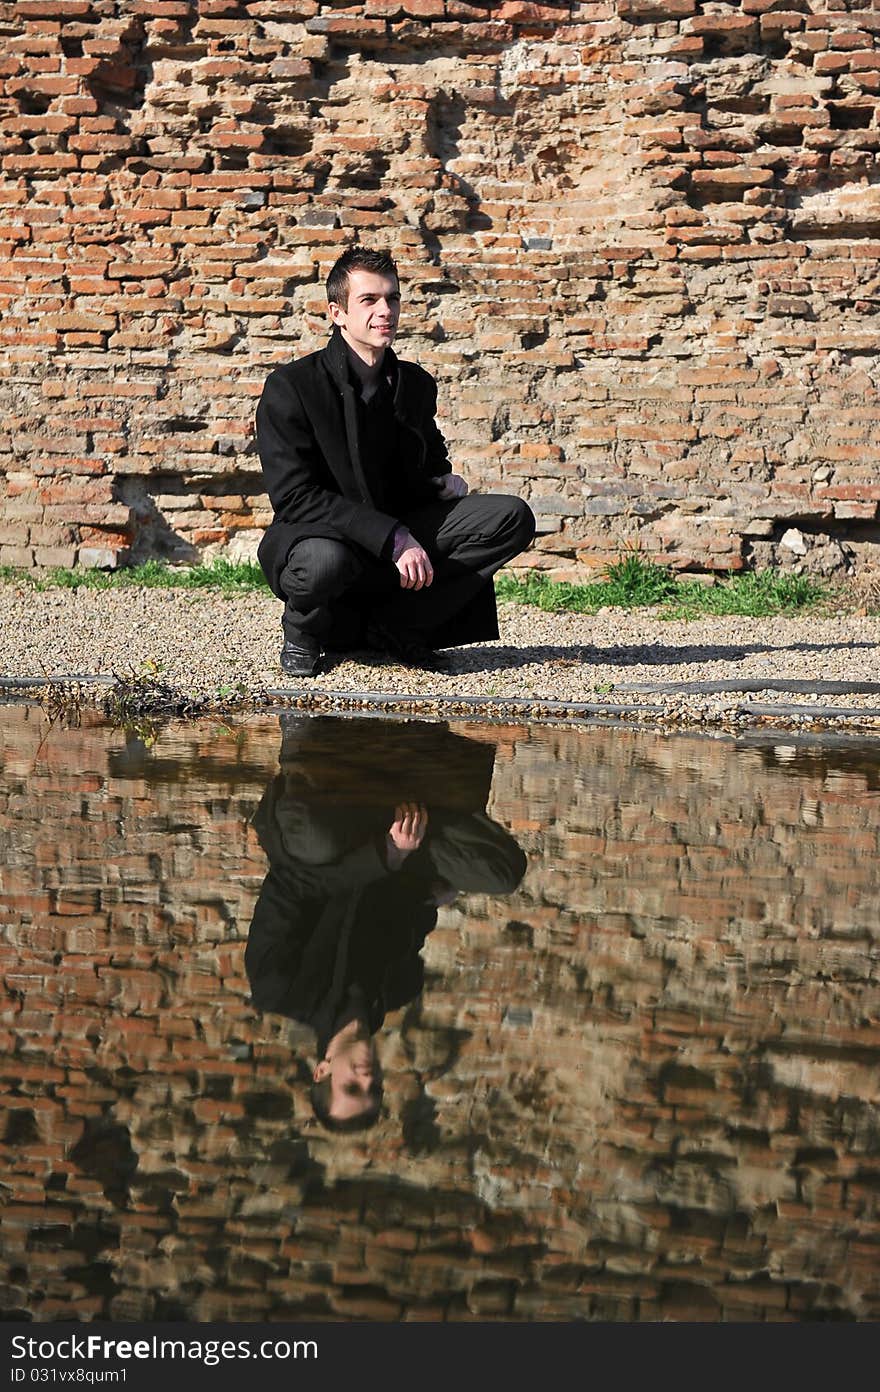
{"x": 361, "y": 854}
{"x": 640, "y": 1082}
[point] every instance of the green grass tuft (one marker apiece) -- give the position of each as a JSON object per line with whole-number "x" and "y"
{"x": 757, "y": 594}
{"x": 229, "y": 577}
{"x": 630, "y": 582}
{"x": 633, "y": 583}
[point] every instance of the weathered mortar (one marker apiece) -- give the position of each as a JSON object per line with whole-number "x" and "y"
{"x": 639, "y": 242}
{"x": 642, "y": 1086}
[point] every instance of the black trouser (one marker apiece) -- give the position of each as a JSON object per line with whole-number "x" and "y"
{"x": 332, "y": 587}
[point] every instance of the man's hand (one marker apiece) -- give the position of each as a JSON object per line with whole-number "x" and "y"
{"x": 412, "y": 561}
{"x": 450, "y": 486}
{"x": 406, "y": 833}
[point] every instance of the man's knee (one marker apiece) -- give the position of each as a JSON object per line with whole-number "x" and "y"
{"x": 319, "y": 568}
{"x": 514, "y": 523}
{"x": 522, "y": 522}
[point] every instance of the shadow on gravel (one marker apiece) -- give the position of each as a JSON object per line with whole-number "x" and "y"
{"x": 492, "y": 659}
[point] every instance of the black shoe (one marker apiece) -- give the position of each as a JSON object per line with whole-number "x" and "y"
{"x": 406, "y": 647}
{"x": 302, "y": 658}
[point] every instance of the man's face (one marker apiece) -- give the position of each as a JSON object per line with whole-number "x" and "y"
{"x": 355, "y": 1077}
{"x": 369, "y": 320}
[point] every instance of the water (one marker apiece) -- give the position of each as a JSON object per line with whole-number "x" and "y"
{"x": 622, "y": 987}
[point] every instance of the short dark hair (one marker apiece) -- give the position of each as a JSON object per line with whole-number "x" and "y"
{"x": 357, "y": 258}
{"x": 319, "y": 1096}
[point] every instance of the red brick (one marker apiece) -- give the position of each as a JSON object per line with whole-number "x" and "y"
{"x": 851, "y": 39}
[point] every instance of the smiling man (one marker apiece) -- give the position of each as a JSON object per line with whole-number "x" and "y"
{"x": 375, "y": 541}
{"x": 347, "y": 1082}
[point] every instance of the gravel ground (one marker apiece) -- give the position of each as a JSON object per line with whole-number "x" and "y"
{"x": 202, "y": 642}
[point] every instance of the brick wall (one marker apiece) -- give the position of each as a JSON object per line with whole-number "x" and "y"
{"x": 643, "y": 1086}
{"x": 639, "y": 239}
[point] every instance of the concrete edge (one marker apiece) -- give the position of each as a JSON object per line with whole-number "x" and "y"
{"x": 751, "y": 686}
{"x": 493, "y": 707}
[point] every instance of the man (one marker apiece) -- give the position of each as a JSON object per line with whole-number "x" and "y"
{"x": 374, "y": 539}
{"x": 365, "y": 839}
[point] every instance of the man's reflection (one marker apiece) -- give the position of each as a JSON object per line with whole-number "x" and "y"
{"x": 368, "y": 827}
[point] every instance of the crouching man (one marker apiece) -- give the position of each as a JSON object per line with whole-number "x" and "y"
{"x": 375, "y": 542}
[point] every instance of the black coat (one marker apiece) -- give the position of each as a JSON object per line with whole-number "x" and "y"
{"x": 332, "y": 920}
{"x": 321, "y": 929}
{"x": 307, "y": 436}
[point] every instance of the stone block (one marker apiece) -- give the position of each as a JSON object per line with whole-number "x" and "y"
{"x": 555, "y": 506}
{"x": 243, "y": 546}
{"x": 22, "y": 557}
{"x": 100, "y": 557}
{"x": 64, "y": 556}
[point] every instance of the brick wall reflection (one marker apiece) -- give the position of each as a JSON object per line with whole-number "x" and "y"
{"x": 643, "y": 1086}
